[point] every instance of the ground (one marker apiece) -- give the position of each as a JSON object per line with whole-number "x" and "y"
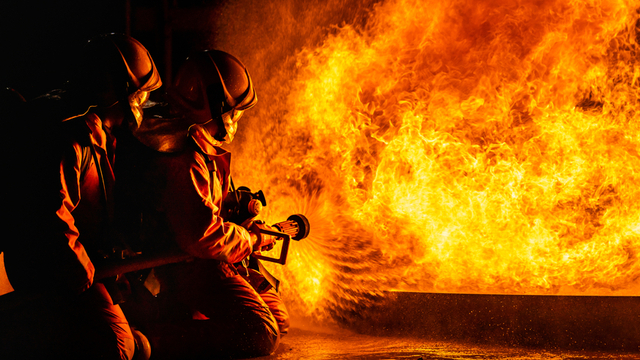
{"x": 320, "y": 344}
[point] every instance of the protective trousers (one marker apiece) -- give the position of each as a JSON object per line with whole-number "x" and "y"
{"x": 210, "y": 311}
{"x": 85, "y": 326}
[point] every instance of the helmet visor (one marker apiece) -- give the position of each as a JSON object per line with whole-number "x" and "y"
{"x": 136, "y": 102}
{"x": 230, "y": 121}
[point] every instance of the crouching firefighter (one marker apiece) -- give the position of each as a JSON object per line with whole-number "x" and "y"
{"x": 63, "y": 219}
{"x": 175, "y": 175}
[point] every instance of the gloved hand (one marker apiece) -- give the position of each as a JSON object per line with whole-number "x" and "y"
{"x": 263, "y": 242}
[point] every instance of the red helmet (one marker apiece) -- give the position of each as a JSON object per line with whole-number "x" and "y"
{"x": 213, "y": 87}
{"x": 117, "y": 67}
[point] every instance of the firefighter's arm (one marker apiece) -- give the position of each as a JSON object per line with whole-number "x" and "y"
{"x": 261, "y": 242}
{"x": 80, "y": 267}
{"x": 193, "y": 214}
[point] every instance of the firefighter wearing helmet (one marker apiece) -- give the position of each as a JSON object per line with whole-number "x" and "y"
{"x": 64, "y": 180}
{"x": 116, "y": 71}
{"x": 177, "y": 177}
{"x": 210, "y": 93}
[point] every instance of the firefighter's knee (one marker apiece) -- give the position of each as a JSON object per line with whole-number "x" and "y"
{"x": 127, "y": 350}
{"x": 142, "y": 346}
{"x": 265, "y": 341}
{"x": 278, "y": 310}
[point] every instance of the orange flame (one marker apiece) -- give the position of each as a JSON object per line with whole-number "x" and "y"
{"x": 455, "y": 146}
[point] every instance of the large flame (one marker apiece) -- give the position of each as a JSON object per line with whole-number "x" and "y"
{"x": 487, "y": 146}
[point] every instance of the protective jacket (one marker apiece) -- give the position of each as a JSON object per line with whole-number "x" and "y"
{"x": 63, "y": 235}
{"x": 177, "y": 178}
{"x": 54, "y": 253}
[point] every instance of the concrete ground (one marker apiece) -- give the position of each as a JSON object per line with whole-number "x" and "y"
{"x": 321, "y": 344}
{"x": 458, "y": 326}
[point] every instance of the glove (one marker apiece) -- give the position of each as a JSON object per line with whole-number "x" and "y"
{"x": 263, "y": 242}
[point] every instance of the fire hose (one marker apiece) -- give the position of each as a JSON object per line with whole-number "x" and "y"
{"x": 296, "y": 227}
{"x": 240, "y": 206}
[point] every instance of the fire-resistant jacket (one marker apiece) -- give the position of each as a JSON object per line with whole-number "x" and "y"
{"x": 55, "y": 252}
{"x": 177, "y": 181}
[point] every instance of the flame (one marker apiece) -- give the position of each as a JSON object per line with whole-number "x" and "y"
{"x": 451, "y": 146}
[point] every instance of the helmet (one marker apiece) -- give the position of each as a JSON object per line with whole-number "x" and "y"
{"x": 10, "y": 99}
{"x": 115, "y": 67}
{"x": 213, "y": 88}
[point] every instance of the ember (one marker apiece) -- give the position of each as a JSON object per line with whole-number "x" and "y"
{"x": 483, "y": 147}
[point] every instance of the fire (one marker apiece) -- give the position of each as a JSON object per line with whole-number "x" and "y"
{"x": 455, "y": 146}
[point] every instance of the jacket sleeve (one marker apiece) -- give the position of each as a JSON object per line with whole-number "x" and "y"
{"x": 192, "y": 205}
{"x": 79, "y": 270}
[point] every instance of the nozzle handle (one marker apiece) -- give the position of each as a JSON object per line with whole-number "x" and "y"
{"x": 284, "y": 252}
{"x": 296, "y": 227}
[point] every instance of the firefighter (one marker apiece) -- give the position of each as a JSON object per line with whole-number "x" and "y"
{"x": 177, "y": 175}
{"x": 63, "y": 181}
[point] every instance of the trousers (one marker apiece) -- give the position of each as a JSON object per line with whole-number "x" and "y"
{"x": 208, "y": 310}
{"x": 84, "y": 326}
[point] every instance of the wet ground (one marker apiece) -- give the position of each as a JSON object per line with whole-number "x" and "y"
{"x": 341, "y": 344}
{"x": 470, "y": 327}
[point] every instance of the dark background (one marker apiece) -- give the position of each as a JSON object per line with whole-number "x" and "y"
{"x": 40, "y": 39}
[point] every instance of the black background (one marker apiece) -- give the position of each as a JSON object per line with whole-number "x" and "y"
{"x": 40, "y": 39}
